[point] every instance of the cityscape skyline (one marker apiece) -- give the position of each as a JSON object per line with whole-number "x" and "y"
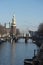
{"x": 29, "y": 13}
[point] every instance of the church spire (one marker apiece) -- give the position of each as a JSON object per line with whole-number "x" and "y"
{"x": 13, "y": 26}
{"x": 14, "y": 20}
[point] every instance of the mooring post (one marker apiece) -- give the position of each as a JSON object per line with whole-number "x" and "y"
{"x": 34, "y": 52}
{"x": 26, "y": 40}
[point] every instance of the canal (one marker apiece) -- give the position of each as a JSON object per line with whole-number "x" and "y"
{"x": 14, "y": 54}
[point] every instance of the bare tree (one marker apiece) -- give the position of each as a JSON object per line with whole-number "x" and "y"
{"x": 2, "y": 30}
{"x": 40, "y": 28}
{"x": 17, "y": 32}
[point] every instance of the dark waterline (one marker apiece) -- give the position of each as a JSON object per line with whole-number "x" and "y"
{"x": 14, "y": 54}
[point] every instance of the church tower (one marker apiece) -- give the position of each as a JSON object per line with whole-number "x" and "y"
{"x": 13, "y": 26}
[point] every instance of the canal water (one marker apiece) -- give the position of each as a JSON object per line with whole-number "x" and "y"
{"x": 14, "y": 54}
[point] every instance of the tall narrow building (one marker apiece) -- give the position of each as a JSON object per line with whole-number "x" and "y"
{"x": 13, "y": 26}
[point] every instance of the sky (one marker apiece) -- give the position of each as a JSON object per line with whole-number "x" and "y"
{"x": 29, "y": 13}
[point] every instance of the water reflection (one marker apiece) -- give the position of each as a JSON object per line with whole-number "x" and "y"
{"x": 5, "y": 53}
{"x": 14, "y": 54}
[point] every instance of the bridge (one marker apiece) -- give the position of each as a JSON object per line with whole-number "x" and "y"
{"x": 36, "y": 40}
{"x": 16, "y": 38}
{"x": 22, "y": 37}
